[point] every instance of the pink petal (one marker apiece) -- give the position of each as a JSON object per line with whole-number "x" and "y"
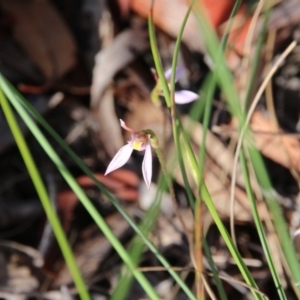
{"x": 126, "y": 127}
{"x": 179, "y": 72}
{"x": 147, "y": 166}
{"x": 184, "y": 97}
{"x": 119, "y": 159}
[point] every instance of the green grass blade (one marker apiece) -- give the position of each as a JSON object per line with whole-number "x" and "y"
{"x": 159, "y": 68}
{"x": 136, "y": 250}
{"x": 212, "y": 83}
{"x": 260, "y": 229}
{"x": 175, "y": 118}
{"x": 223, "y": 75}
{"x": 214, "y": 270}
{"x": 229, "y": 243}
{"x": 278, "y": 218}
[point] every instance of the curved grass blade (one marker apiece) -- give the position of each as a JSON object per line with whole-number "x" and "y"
{"x": 136, "y": 250}
{"x": 260, "y": 229}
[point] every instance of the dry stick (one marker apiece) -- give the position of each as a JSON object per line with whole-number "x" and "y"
{"x": 230, "y": 132}
{"x": 232, "y": 280}
{"x": 245, "y": 125}
{"x": 208, "y": 288}
{"x": 198, "y": 255}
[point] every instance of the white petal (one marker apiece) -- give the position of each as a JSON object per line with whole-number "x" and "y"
{"x": 184, "y": 97}
{"x": 179, "y": 72}
{"x": 119, "y": 159}
{"x": 168, "y": 74}
{"x": 122, "y": 123}
{"x": 147, "y": 166}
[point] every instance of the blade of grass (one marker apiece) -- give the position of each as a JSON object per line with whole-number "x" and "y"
{"x": 249, "y": 62}
{"x": 260, "y": 229}
{"x": 214, "y": 270}
{"x": 158, "y": 65}
{"x": 198, "y": 211}
{"x": 223, "y": 75}
{"x": 44, "y": 198}
{"x": 231, "y": 246}
{"x": 174, "y": 114}
{"x": 136, "y": 250}
{"x": 279, "y": 222}
{"x": 212, "y": 86}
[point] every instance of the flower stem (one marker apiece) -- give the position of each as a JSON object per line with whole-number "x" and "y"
{"x": 155, "y": 145}
{"x": 197, "y": 236}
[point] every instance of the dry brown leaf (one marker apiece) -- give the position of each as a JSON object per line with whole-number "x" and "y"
{"x": 283, "y": 149}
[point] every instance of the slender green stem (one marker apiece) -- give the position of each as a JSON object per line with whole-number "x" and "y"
{"x": 260, "y": 228}
{"x": 174, "y": 114}
{"x": 279, "y": 221}
{"x": 169, "y": 96}
{"x": 231, "y": 246}
{"x": 194, "y": 244}
{"x": 155, "y": 145}
{"x": 135, "y": 251}
{"x": 223, "y": 75}
{"x": 212, "y": 86}
{"x": 160, "y": 71}
{"x": 214, "y": 270}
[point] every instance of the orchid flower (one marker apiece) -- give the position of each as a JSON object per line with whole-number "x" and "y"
{"x": 140, "y": 141}
{"x": 180, "y": 97}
